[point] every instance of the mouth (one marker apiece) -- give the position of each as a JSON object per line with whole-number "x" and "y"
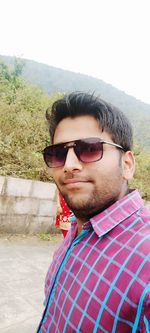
{"x": 75, "y": 183}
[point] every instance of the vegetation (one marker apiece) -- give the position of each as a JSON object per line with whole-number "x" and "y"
{"x": 52, "y": 236}
{"x": 51, "y": 80}
{"x": 141, "y": 178}
{"x": 24, "y": 131}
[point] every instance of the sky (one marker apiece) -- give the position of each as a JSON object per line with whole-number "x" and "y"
{"x": 107, "y": 39}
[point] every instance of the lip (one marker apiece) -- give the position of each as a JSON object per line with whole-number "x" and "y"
{"x": 75, "y": 183}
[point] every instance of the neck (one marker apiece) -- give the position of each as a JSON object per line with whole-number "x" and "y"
{"x": 80, "y": 224}
{"x": 83, "y": 220}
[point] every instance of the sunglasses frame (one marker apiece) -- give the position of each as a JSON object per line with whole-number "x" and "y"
{"x": 73, "y": 144}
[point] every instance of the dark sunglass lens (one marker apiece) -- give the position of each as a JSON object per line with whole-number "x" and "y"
{"x": 55, "y": 156}
{"x": 89, "y": 150}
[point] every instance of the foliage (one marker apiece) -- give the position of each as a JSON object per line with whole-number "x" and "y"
{"x": 141, "y": 178}
{"x": 10, "y": 80}
{"x": 54, "y": 236}
{"x": 24, "y": 131}
{"x": 52, "y": 80}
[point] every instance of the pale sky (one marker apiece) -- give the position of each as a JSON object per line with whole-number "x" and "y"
{"x": 107, "y": 39}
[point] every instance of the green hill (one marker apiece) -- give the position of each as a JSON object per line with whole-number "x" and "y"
{"x": 52, "y": 80}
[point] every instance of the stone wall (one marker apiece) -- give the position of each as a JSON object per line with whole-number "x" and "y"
{"x": 26, "y": 206}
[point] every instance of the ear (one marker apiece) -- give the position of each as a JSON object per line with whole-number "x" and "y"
{"x": 128, "y": 164}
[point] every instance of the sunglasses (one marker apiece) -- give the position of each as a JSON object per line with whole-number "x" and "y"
{"x": 87, "y": 150}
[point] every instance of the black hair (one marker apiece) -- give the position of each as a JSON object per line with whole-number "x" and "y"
{"x": 108, "y": 116}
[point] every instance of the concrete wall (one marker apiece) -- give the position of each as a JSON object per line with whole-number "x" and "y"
{"x": 26, "y": 206}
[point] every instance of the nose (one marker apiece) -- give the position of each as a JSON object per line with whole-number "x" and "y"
{"x": 72, "y": 162}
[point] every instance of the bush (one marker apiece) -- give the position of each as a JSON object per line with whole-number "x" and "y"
{"x": 141, "y": 178}
{"x": 24, "y": 131}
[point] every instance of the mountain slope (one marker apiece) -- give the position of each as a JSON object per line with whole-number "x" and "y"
{"x": 52, "y": 79}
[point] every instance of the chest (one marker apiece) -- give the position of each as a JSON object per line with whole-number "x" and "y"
{"x": 99, "y": 283}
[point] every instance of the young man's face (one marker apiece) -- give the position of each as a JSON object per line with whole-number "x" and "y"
{"x": 88, "y": 188}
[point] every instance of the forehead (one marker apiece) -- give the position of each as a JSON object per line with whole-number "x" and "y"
{"x": 80, "y": 127}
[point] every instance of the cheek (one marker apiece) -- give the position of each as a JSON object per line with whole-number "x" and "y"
{"x": 50, "y": 172}
{"x": 57, "y": 176}
{"x": 54, "y": 174}
{"x": 108, "y": 171}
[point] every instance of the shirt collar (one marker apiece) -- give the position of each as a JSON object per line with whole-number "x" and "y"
{"x": 116, "y": 213}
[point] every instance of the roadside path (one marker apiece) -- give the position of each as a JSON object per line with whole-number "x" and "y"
{"x": 23, "y": 265}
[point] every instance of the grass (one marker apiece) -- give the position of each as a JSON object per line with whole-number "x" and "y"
{"x": 50, "y": 237}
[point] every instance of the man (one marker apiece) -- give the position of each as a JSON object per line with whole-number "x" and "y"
{"x": 99, "y": 280}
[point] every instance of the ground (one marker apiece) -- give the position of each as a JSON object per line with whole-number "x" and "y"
{"x": 24, "y": 261}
